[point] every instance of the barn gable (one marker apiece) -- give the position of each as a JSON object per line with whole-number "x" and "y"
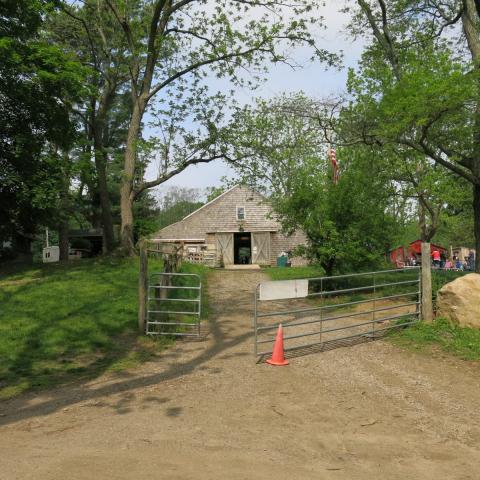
{"x": 220, "y": 215}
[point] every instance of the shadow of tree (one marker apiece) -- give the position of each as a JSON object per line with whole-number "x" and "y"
{"x": 68, "y": 396}
{"x": 73, "y": 323}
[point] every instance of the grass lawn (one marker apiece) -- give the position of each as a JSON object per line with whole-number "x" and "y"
{"x": 462, "y": 342}
{"x": 293, "y": 273}
{"x": 65, "y": 322}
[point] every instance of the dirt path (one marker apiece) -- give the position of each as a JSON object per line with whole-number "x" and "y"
{"x": 205, "y": 410}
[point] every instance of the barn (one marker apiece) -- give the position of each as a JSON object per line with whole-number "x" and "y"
{"x": 400, "y": 255}
{"x": 238, "y": 227}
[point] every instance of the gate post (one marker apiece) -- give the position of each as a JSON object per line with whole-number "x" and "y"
{"x": 142, "y": 286}
{"x": 426, "y": 284}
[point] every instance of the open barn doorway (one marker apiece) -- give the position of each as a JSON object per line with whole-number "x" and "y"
{"x": 242, "y": 247}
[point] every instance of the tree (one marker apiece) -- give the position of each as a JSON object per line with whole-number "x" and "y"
{"x": 39, "y": 85}
{"x": 273, "y": 138}
{"x": 90, "y": 33}
{"x": 416, "y": 90}
{"x": 348, "y": 225}
{"x": 171, "y": 46}
{"x": 176, "y": 203}
{"x": 416, "y": 178}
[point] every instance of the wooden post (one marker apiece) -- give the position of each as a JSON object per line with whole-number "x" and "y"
{"x": 142, "y": 286}
{"x": 427, "y": 308}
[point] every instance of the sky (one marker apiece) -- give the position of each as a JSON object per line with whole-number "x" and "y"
{"x": 313, "y": 79}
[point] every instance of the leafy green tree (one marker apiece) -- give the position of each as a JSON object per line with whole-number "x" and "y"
{"x": 428, "y": 191}
{"x": 416, "y": 89}
{"x": 176, "y": 203}
{"x": 39, "y": 86}
{"x": 348, "y": 225}
{"x": 172, "y": 45}
{"x": 272, "y": 139}
{"x": 214, "y": 192}
{"x": 89, "y": 31}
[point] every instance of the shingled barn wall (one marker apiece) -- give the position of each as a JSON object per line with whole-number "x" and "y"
{"x": 220, "y": 215}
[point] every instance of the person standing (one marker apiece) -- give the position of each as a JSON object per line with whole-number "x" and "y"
{"x": 436, "y": 258}
{"x": 471, "y": 261}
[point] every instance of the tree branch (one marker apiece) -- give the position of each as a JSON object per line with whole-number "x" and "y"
{"x": 197, "y": 65}
{"x": 428, "y": 150}
{"x": 163, "y": 178}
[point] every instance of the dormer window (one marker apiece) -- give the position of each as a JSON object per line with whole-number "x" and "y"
{"x": 240, "y": 213}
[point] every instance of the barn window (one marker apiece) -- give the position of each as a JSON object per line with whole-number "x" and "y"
{"x": 240, "y": 213}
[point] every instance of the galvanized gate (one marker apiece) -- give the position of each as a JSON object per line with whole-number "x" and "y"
{"x": 174, "y": 304}
{"x": 327, "y": 311}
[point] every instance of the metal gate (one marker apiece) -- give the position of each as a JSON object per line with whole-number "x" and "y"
{"x": 333, "y": 311}
{"x": 174, "y": 304}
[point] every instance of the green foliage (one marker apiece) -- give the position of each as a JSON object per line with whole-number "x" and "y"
{"x": 214, "y": 192}
{"x": 348, "y": 225}
{"x": 172, "y": 49}
{"x": 415, "y": 95}
{"x": 146, "y": 216}
{"x": 294, "y": 273}
{"x": 175, "y": 204}
{"x": 39, "y": 86}
{"x": 274, "y": 138}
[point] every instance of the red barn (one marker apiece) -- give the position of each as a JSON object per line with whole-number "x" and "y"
{"x": 399, "y": 255}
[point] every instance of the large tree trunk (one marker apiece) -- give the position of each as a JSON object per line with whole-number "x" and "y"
{"x": 427, "y": 231}
{"x": 126, "y": 230}
{"x": 102, "y": 189}
{"x": 63, "y": 240}
{"x": 99, "y": 126}
{"x": 126, "y": 188}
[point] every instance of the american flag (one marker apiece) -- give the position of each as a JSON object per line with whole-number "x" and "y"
{"x": 332, "y": 154}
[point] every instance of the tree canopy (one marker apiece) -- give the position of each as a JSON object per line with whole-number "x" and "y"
{"x": 103, "y": 100}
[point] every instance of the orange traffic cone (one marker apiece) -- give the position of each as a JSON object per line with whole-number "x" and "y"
{"x": 278, "y": 357}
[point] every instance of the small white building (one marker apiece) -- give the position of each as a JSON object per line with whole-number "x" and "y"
{"x": 51, "y": 254}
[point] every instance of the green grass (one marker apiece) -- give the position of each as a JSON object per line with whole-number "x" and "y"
{"x": 65, "y": 322}
{"x": 294, "y": 273}
{"x": 462, "y": 342}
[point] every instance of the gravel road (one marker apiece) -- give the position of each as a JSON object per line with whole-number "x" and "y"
{"x": 206, "y": 410}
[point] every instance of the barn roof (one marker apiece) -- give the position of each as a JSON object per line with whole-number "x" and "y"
{"x": 211, "y": 201}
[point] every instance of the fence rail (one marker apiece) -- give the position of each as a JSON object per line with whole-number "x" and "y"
{"x": 392, "y": 299}
{"x": 167, "y": 313}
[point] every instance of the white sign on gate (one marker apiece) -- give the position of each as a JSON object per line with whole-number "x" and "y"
{"x": 283, "y": 289}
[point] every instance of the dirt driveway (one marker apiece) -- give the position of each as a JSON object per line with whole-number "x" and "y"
{"x": 205, "y": 410}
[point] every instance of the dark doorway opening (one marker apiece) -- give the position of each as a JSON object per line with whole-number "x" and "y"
{"x": 242, "y": 248}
